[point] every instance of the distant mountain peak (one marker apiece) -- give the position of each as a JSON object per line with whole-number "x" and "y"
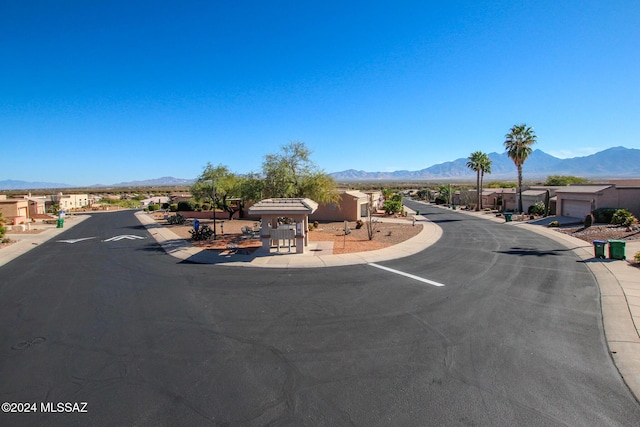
{"x": 614, "y": 162}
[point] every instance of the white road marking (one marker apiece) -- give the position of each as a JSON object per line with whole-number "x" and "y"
{"x": 402, "y": 273}
{"x": 72, "y": 241}
{"x": 125, "y": 236}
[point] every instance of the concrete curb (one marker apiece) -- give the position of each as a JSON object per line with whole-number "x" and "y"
{"x": 181, "y": 249}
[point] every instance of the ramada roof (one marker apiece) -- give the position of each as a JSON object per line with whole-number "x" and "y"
{"x": 291, "y": 206}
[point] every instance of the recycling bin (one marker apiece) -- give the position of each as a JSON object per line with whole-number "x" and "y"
{"x": 417, "y": 212}
{"x": 599, "y": 248}
{"x": 616, "y": 249}
{"x": 60, "y": 223}
{"x": 507, "y": 217}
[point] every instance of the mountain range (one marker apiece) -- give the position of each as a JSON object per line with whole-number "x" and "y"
{"x": 616, "y": 162}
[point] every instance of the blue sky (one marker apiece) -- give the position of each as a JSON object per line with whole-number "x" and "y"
{"x": 106, "y": 91}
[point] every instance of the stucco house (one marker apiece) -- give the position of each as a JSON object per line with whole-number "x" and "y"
{"x": 159, "y": 200}
{"x": 351, "y": 206}
{"x": 70, "y": 201}
{"x": 577, "y": 201}
{"x": 14, "y": 210}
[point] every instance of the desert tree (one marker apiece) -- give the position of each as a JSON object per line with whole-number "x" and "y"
{"x": 292, "y": 173}
{"x": 518, "y": 144}
{"x": 220, "y": 185}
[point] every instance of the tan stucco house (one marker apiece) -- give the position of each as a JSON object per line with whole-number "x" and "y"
{"x": 577, "y": 201}
{"x": 351, "y": 206}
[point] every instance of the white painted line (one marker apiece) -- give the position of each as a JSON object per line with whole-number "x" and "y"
{"x": 126, "y": 236}
{"x": 411, "y": 276}
{"x": 72, "y": 241}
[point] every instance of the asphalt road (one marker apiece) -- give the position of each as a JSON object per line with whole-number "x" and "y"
{"x": 513, "y": 338}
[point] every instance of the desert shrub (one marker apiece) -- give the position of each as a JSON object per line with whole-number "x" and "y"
{"x": 623, "y": 217}
{"x": 359, "y": 224}
{"x": 176, "y": 219}
{"x": 636, "y": 257}
{"x": 166, "y": 205}
{"x": 316, "y": 224}
{"x": 588, "y": 221}
{"x": 173, "y": 207}
{"x": 310, "y": 227}
{"x": 554, "y": 224}
{"x": 206, "y": 206}
{"x": 154, "y": 207}
{"x": 536, "y": 209}
{"x": 603, "y": 215}
{"x": 204, "y": 232}
{"x": 392, "y": 207}
{"x": 185, "y": 205}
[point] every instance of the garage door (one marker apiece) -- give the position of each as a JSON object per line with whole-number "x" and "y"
{"x": 576, "y": 208}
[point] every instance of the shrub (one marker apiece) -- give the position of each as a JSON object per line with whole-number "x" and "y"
{"x": 202, "y": 233}
{"x": 623, "y": 217}
{"x": 173, "y": 207}
{"x": 588, "y": 221}
{"x": 603, "y": 215}
{"x": 185, "y": 206}
{"x": 554, "y": 224}
{"x": 392, "y": 207}
{"x": 536, "y": 209}
{"x": 316, "y": 224}
{"x": 176, "y": 219}
{"x": 636, "y": 257}
{"x": 166, "y": 205}
{"x": 206, "y": 206}
{"x": 359, "y": 224}
{"x": 154, "y": 207}
{"x": 310, "y": 227}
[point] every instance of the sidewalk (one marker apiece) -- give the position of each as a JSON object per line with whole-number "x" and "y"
{"x": 619, "y": 284}
{"x": 313, "y": 256}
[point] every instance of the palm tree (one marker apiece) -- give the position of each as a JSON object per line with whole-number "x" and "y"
{"x": 518, "y": 144}
{"x": 485, "y": 167}
{"x": 475, "y": 159}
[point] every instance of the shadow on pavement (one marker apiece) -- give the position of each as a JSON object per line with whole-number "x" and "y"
{"x": 533, "y": 252}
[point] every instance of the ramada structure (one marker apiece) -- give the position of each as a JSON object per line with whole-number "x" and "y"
{"x": 275, "y": 228}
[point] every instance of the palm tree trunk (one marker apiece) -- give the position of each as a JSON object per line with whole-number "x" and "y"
{"x": 519, "y": 188}
{"x": 481, "y": 179}
{"x": 478, "y": 190}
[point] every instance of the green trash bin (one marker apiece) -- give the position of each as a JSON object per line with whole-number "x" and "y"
{"x": 616, "y": 249}
{"x": 507, "y": 217}
{"x": 598, "y": 248}
{"x": 60, "y": 223}
{"x": 417, "y": 212}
